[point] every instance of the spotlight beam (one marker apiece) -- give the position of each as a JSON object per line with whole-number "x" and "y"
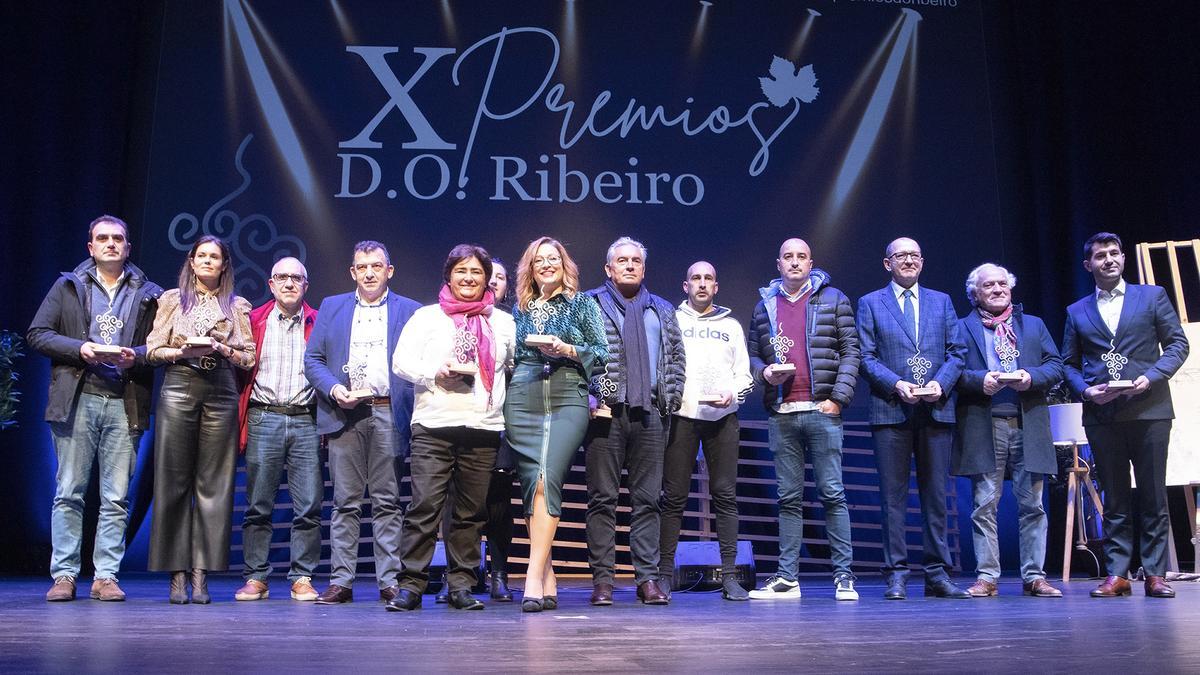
{"x": 872, "y": 120}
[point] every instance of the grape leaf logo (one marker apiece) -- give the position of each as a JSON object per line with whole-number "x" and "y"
{"x": 786, "y": 83}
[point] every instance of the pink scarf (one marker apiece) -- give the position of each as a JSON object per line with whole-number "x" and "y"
{"x": 1006, "y": 339}
{"x": 468, "y": 318}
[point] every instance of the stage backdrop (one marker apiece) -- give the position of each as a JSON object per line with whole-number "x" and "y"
{"x": 708, "y": 130}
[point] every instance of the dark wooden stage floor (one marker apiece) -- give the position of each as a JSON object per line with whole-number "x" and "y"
{"x": 696, "y": 633}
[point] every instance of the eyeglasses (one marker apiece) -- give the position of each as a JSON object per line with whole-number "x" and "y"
{"x": 548, "y": 260}
{"x": 901, "y": 257}
{"x": 297, "y": 279}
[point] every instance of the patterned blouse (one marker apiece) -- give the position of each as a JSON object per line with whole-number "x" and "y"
{"x": 172, "y": 328}
{"x": 576, "y": 321}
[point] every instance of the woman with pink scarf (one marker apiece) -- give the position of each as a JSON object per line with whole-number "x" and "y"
{"x": 455, "y": 353}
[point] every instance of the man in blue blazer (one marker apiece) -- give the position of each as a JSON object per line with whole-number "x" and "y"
{"x": 363, "y": 409}
{"x": 909, "y": 338}
{"x": 1115, "y": 333}
{"x": 1004, "y": 424}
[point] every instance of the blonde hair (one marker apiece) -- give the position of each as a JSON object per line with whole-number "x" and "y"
{"x": 527, "y": 288}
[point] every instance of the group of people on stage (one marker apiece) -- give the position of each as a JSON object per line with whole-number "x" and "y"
{"x": 504, "y": 376}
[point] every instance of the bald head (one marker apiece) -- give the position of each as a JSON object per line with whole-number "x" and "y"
{"x": 794, "y": 263}
{"x": 701, "y": 286}
{"x": 289, "y": 281}
{"x": 902, "y": 258}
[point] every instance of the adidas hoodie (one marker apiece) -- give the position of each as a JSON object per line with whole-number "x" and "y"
{"x": 716, "y": 358}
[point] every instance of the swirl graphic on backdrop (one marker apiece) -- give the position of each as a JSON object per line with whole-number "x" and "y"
{"x": 254, "y": 239}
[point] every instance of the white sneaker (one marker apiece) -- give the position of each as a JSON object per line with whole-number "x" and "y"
{"x": 844, "y": 585}
{"x": 777, "y": 588}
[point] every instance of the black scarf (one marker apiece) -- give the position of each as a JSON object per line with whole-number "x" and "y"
{"x": 635, "y": 353}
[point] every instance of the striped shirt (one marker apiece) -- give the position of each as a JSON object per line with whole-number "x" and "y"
{"x": 280, "y": 379}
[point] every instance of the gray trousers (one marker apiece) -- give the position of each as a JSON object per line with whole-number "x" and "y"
{"x": 361, "y": 457}
{"x": 986, "y": 491}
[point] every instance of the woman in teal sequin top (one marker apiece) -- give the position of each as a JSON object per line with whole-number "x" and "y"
{"x": 546, "y": 408}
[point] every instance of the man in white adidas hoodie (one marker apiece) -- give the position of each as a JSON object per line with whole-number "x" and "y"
{"x": 718, "y": 379}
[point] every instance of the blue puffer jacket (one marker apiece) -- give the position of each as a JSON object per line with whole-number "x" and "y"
{"x": 833, "y": 355}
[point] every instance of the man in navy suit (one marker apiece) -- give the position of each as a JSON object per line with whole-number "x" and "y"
{"x": 364, "y": 411}
{"x": 1003, "y": 423}
{"x": 1115, "y": 333}
{"x": 909, "y": 339}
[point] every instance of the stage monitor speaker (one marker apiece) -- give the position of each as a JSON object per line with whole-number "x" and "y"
{"x": 698, "y": 566}
{"x": 437, "y": 567}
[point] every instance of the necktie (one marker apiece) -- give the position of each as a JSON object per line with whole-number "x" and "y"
{"x": 910, "y": 321}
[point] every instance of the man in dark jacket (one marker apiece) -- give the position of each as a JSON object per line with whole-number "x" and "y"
{"x": 1126, "y": 333}
{"x": 641, "y": 385}
{"x": 804, "y": 348}
{"x": 911, "y": 357}
{"x": 93, "y": 325}
{"x": 1004, "y": 424}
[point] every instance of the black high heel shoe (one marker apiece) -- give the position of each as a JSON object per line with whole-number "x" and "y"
{"x": 550, "y": 602}
{"x": 532, "y": 604}
{"x": 200, "y": 594}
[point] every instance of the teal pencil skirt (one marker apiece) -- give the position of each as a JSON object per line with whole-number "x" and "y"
{"x": 545, "y": 419}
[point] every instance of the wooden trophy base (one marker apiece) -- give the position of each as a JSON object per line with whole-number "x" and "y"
{"x": 198, "y": 341}
{"x": 464, "y": 368}
{"x": 537, "y": 340}
{"x": 923, "y": 391}
{"x": 361, "y": 393}
{"x": 1121, "y": 384}
{"x": 107, "y": 350}
{"x": 710, "y": 398}
{"x": 1007, "y": 378}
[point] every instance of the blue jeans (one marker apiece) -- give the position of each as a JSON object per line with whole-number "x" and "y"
{"x": 97, "y": 429}
{"x": 790, "y": 435}
{"x": 986, "y": 491}
{"x": 273, "y": 439}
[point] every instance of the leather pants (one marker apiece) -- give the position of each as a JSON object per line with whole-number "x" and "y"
{"x": 195, "y": 455}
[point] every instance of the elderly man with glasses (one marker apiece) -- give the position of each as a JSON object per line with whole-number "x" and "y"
{"x": 277, "y": 414}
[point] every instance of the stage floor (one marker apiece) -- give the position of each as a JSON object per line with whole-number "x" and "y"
{"x": 696, "y": 633}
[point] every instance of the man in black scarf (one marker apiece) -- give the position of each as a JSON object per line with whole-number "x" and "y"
{"x": 640, "y": 386}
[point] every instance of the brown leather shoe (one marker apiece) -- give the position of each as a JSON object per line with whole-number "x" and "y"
{"x": 650, "y": 594}
{"x": 602, "y": 595}
{"x": 107, "y": 590}
{"x": 1112, "y": 587}
{"x": 1156, "y": 587}
{"x": 302, "y": 589}
{"x": 335, "y": 595}
{"x": 388, "y": 594}
{"x": 1040, "y": 588}
{"x": 63, "y": 589}
{"x": 253, "y": 589}
{"x": 982, "y": 588}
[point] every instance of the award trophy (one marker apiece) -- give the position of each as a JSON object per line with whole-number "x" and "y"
{"x": 1008, "y": 354}
{"x": 110, "y": 325}
{"x": 920, "y": 368}
{"x": 464, "y": 352}
{"x": 783, "y": 344}
{"x": 539, "y": 313}
{"x": 605, "y": 387}
{"x": 1116, "y": 362}
{"x": 709, "y": 381}
{"x": 357, "y": 370}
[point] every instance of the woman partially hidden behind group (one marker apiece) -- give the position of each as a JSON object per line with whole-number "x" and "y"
{"x": 201, "y": 333}
{"x": 546, "y": 411}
